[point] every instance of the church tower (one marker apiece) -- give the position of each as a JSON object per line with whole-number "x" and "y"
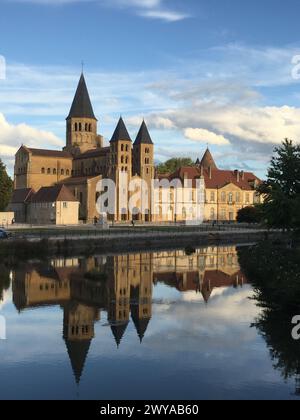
{"x": 82, "y": 123}
{"x": 143, "y": 160}
{"x": 121, "y": 164}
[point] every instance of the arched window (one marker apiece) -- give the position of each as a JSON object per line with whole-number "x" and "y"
{"x": 127, "y": 147}
{"x": 43, "y": 170}
{"x": 80, "y": 127}
{"x": 48, "y": 171}
{"x": 126, "y": 160}
{"x": 86, "y": 127}
{"x": 54, "y": 171}
{"x": 122, "y": 159}
{"x": 67, "y": 172}
{"x": 90, "y": 127}
{"x": 62, "y": 171}
{"x": 122, "y": 148}
{"x": 76, "y": 127}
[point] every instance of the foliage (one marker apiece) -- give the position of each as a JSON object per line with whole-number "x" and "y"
{"x": 281, "y": 191}
{"x": 249, "y": 215}
{"x": 173, "y": 164}
{"x": 275, "y": 275}
{"x": 6, "y": 187}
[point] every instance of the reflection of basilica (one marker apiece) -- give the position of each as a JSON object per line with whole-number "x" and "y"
{"x": 121, "y": 286}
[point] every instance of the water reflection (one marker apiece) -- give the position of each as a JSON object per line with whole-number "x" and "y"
{"x": 120, "y": 286}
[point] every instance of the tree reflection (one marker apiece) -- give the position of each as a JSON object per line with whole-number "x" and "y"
{"x": 4, "y": 280}
{"x": 274, "y": 272}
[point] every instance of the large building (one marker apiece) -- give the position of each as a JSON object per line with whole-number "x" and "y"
{"x": 84, "y": 161}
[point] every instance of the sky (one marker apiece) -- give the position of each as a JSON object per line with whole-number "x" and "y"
{"x": 218, "y": 72}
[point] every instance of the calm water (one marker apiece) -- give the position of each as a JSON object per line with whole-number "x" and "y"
{"x": 160, "y": 325}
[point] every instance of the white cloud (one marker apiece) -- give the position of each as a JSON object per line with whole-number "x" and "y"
{"x": 205, "y": 136}
{"x": 154, "y": 9}
{"x": 12, "y": 136}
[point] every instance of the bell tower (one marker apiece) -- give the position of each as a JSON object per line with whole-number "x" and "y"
{"x": 121, "y": 165}
{"x": 143, "y": 161}
{"x": 82, "y": 123}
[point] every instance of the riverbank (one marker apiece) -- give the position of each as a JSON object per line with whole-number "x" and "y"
{"x": 64, "y": 243}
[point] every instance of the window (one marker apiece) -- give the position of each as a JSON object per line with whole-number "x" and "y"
{"x": 127, "y": 148}
{"x": 247, "y": 198}
{"x": 80, "y": 127}
{"x": 48, "y": 171}
{"x": 122, "y": 159}
{"x": 67, "y": 172}
{"x": 212, "y": 197}
{"x": 43, "y": 170}
{"x": 238, "y": 197}
{"x": 86, "y": 127}
{"x": 65, "y": 205}
{"x": 122, "y": 148}
{"x": 223, "y": 214}
{"x": 230, "y": 198}
{"x": 54, "y": 171}
{"x": 62, "y": 171}
{"x": 76, "y": 127}
{"x": 212, "y": 214}
{"x": 223, "y": 197}
{"x": 90, "y": 127}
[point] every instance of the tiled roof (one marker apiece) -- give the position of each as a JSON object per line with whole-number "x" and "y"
{"x": 93, "y": 153}
{"x": 120, "y": 132}
{"x": 208, "y": 161}
{"x": 49, "y": 153}
{"x": 53, "y": 194}
{"x": 22, "y": 195}
{"x": 81, "y": 106}
{"x": 219, "y": 178}
{"x": 143, "y": 136}
{"x": 75, "y": 180}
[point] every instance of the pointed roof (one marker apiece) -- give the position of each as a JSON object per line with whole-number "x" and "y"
{"x": 53, "y": 194}
{"x": 118, "y": 331}
{"x": 78, "y": 351}
{"x": 81, "y": 106}
{"x": 141, "y": 324}
{"x": 120, "y": 132}
{"x": 143, "y": 136}
{"x": 208, "y": 161}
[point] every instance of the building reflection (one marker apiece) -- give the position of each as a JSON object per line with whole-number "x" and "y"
{"x": 119, "y": 286}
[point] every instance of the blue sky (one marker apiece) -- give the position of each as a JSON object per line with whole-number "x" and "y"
{"x": 199, "y": 71}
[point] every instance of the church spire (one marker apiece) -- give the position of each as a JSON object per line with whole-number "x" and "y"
{"x": 208, "y": 161}
{"x": 143, "y": 136}
{"x": 81, "y": 106}
{"x": 120, "y": 132}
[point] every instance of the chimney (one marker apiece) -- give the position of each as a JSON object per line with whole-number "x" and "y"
{"x": 243, "y": 175}
{"x": 210, "y": 172}
{"x": 237, "y": 174}
{"x": 201, "y": 171}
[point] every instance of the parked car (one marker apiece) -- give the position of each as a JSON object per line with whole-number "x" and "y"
{"x": 3, "y": 234}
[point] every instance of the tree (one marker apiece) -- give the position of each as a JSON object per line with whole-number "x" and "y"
{"x": 249, "y": 215}
{"x": 281, "y": 191}
{"x": 173, "y": 164}
{"x": 6, "y": 187}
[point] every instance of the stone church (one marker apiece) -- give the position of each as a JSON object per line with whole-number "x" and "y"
{"x": 84, "y": 160}
{"x": 49, "y": 183}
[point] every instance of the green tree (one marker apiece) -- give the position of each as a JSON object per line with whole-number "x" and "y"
{"x": 6, "y": 187}
{"x": 173, "y": 164}
{"x": 249, "y": 215}
{"x": 282, "y": 189}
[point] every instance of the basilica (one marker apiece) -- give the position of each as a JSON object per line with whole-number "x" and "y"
{"x": 60, "y": 186}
